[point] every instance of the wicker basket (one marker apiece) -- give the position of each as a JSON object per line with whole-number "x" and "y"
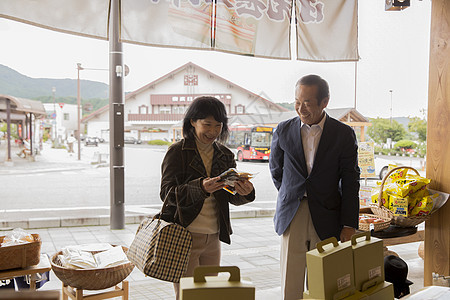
{"x": 401, "y": 221}
{"x": 20, "y": 256}
{"x": 91, "y": 279}
{"x": 376, "y": 226}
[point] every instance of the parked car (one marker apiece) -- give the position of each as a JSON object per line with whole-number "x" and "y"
{"x": 131, "y": 140}
{"x": 382, "y": 166}
{"x": 91, "y": 141}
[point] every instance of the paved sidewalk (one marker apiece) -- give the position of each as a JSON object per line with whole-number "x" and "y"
{"x": 49, "y": 159}
{"x": 254, "y": 249}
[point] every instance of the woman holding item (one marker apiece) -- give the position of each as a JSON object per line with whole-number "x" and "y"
{"x": 190, "y": 175}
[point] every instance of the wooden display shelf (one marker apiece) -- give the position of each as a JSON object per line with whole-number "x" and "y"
{"x": 42, "y": 267}
{"x": 77, "y": 294}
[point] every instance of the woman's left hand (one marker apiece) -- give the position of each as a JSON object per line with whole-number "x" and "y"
{"x": 243, "y": 187}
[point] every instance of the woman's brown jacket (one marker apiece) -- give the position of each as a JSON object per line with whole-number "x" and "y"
{"x": 182, "y": 174}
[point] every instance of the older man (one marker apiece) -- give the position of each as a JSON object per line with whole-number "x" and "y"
{"x": 314, "y": 166}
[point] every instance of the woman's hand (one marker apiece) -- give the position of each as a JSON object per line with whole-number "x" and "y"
{"x": 243, "y": 187}
{"x": 210, "y": 185}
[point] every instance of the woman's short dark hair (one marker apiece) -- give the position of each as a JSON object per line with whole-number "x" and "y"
{"x": 323, "y": 91}
{"x": 201, "y": 108}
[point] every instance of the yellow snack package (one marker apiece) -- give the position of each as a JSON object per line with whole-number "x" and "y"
{"x": 384, "y": 197}
{"x": 424, "y": 205}
{"x": 410, "y": 184}
{"x": 398, "y": 174}
{"x": 422, "y": 192}
{"x": 398, "y": 205}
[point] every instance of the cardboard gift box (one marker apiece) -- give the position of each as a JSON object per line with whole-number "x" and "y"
{"x": 330, "y": 269}
{"x": 201, "y": 287}
{"x": 381, "y": 291}
{"x": 356, "y": 296}
{"x": 368, "y": 259}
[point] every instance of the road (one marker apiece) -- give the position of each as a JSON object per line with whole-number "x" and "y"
{"x": 89, "y": 186}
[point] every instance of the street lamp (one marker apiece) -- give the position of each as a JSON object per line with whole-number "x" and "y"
{"x": 79, "y": 68}
{"x": 390, "y": 122}
{"x": 55, "y": 141}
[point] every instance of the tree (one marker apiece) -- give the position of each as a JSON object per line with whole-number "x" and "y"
{"x": 418, "y": 126}
{"x": 405, "y": 144}
{"x": 382, "y": 129}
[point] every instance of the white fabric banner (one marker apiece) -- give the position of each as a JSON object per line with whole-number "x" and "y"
{"x": 250, "y": 27}
{"x": 327, "y": 30}
{"x": 254, "y": 27}
{"x": 172, "y": 23}
{"x": 81, "y": 17}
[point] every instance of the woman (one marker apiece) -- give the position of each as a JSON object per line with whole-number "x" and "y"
{"x": 190, "y": 180}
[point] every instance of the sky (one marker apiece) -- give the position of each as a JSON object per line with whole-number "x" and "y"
{"x": 393, "y": 49}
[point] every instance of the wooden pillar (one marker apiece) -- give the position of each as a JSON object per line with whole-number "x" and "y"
{"x": 437, "y": 229}
{"x": 363, "y": 139}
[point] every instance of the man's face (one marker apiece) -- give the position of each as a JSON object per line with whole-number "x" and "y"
{"x": 306, "y": 104}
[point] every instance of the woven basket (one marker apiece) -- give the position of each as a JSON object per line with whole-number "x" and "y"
{"x": 20, "y": 256}
{"x": 376, "y": 226}
{"x": 91, "y": 279}
{"x": 400, "y": 221}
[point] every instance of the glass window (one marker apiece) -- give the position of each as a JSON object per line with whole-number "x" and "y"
{"x": 66, "y": 116}
{"x": 261, "y": 139}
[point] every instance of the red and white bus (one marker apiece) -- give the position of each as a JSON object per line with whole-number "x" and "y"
{"x": 250, "y": 142}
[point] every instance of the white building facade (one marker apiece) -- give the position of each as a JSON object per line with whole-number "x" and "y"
{"x": 151, "y": 111}
{"x": 61, "y": 119}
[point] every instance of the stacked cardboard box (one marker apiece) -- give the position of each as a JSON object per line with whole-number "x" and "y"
{"x": 330, "y": 270}
{"x": 368, "y": 262}
{"x": 201, "y": 287}
{"x": 350, "y": 270}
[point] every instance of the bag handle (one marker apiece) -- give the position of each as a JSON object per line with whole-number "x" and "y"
{"x": 358, "y": 235}
{"x": 166, "y": 198}
{"x": 201, "y": 271}
{"x": 331, "y": 240}
{"x": 370, "y": 283}
{"x": 347, "y": 292}
{"x": 387, "y": 176}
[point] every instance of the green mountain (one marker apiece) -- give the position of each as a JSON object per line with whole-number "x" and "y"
{"x": 15, "y": 84}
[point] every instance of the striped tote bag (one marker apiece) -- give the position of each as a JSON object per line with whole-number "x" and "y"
{"x": 161, "y": 249}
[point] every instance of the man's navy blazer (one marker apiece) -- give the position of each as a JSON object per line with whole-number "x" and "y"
{"x": 333, "y": 184}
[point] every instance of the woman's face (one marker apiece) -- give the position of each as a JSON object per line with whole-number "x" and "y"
{"x": 207, "y": 130}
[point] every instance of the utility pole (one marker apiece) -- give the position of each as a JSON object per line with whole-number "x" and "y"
{"x": 55, "y": 141}
{"x": 116, "y": 120}
{"x": 79, "y": 67}
{"x": 390, "y": 122}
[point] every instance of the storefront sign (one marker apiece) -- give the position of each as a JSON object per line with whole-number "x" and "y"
{"x": 366, "y": 159}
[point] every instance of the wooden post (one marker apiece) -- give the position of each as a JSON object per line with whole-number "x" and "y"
{"x": 437, "y": 229}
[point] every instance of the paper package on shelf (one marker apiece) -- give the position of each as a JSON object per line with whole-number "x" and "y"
{"x": 330, "y": 269}
{"x": 356, "y": 296}
{"x": 74, "y": 258}
{"x": 368, "y": 259}
{"x": 110, "y": 258}
{"x": 201, "y": 287}
{"x": 381, "y": 291}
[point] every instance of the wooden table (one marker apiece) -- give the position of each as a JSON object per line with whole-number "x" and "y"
{"x": 42, "y": 267}
{"x": 77, "y": 294}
